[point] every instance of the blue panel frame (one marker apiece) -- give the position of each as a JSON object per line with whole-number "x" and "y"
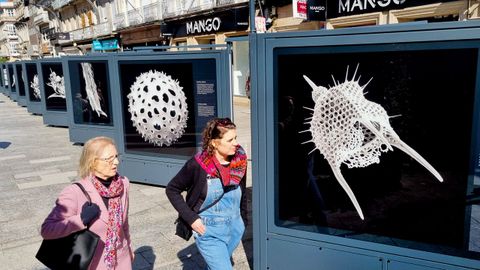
{"x": 159, "y": 170}
{"x": 264, "y": 141}
{"x": 80, "y": 133}
{"x": 51, "y": 117}
{"x": 22, "y": 99}
{"x": 34, "y": 107}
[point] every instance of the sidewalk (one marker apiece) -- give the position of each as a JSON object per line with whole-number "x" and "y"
{"x": 37, "y": 162}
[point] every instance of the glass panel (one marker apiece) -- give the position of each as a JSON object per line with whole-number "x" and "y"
{"x": 54, "y": 85}
{"x": 90, "y": 92}
{"x": 21, "y": 82}
{"x": 240, "y": 68}
{"x": 33, "y": 84}
{"x": 166, "y": 104}
{"x": 384, "y": 132}
{"x": 11, "y": 76}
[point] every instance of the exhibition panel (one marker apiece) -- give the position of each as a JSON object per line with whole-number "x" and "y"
{"x": 370, "y": 146}
{"x": 53, "y": 92}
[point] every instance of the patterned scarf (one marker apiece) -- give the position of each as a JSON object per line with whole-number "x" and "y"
{"x": 115, "y": 214}
{"x": 231, "y": 175}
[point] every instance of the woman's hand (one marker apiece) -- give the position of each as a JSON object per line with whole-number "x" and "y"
{"x": 198, "y": 226}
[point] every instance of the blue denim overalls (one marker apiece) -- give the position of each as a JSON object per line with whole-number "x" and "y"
{"x": 224, "y": 226}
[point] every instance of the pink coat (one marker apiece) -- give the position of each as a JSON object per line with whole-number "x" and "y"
{"x": 65, "y": 219}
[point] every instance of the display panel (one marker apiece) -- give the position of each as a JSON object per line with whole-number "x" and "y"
{"x": 11, "y": 76}
{"x": 166, "y": 104}
{"x": 5, "y": 76}
{"x": 21, "y": 83}
{"x": 33, "y": 84}
{"x": 375, "y": 143}
{"x": 90, "y": 88}
{"x": 54, "y": 86}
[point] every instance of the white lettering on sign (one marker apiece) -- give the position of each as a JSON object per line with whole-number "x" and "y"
{"x": 202, "y": 26}
{"x": 346, "y": 6}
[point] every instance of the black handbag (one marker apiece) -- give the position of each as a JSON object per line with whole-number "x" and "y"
{"x": 73, "y": 252}
{"x": 183, "y": 229}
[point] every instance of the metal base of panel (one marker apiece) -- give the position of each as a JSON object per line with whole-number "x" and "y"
{"x": 287, "y": 253}
{"x": 13, "y": 96}
{"x": 84, "y": 133}
{"x": 35, "y": 107}
{"x": 151, "y": 172}
{"x": 22, "y": 101}
{"x": 53, "y": 118}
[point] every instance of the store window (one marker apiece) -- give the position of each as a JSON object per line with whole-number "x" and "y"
{"x": 240, "y": 69}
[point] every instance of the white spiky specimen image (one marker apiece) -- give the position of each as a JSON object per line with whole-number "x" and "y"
{"x": 347, "y": 128}
{"x": 91, "y": 89}
{"x": 158, "y": 107}
{"x": 36, "y": 87}
{"x": 58, "y": 85}
{"x": 13, "y": 81}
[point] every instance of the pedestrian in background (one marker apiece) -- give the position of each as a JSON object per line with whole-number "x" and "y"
{"x": 107, "y": 216}
{"x": 217, "y": 172}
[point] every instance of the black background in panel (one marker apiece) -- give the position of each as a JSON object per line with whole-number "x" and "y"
{"x": 431, "y": 95}
{"x": 21, "y": 83}
{"x": 31, "y": 69}
{"x": 201, "y": 105}
{"x": 11, "y": 77}
{"x": 84, "y": 109}
{"x": 52, "y": 101}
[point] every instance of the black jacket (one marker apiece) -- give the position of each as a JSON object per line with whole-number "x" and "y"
{"x": 193, "y": 179}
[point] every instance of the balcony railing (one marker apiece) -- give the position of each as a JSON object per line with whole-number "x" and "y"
{"x": 119, "y": 21}
{"x": 57, "y": 4}
{"x": 19, "y": 12}
{"x": 134, "y": 17}
{"x": 151, "y": 12}
{"x": 147, "y": 13}
{"x": 5, "y": 18}
{"x": 41, "y": 18}
{"x": 89, "y": 32}
{"x": 180, "y": 8}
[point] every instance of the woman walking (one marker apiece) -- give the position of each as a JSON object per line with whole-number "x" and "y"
{"x": 215, "y": 180}
{"x": 107, "y": 216}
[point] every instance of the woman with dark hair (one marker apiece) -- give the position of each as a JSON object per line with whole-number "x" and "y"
{"x": 215, "y": 180}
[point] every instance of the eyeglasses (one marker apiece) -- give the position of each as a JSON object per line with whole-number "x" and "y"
{"x": 110, "y": 159}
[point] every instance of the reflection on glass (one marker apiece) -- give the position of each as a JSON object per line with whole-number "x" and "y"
{"x": 33, "y": 85}
{"x": 11, "y": 76}
{"x": 54, "y": 86}
{"x": 428, "y": 103}
{"x": 21, "y": 83}
{"x": 166, "y": 104}
{"x": 90, "y": 92}
{"x": 5, "y": 76}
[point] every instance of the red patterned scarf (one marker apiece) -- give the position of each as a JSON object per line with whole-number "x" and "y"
{"x": 231, "y": 175}
{"x": 115, "y": 216}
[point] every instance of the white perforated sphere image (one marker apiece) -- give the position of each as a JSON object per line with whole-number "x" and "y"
{"x": 158, "y": 107}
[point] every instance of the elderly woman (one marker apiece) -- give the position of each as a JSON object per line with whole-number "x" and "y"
{"x": 107, "y": 216}
{"x": 215, "y": 181}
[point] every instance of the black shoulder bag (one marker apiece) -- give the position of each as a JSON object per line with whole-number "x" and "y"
{"x": 183, "y": 229}
{"x": 73, "y": 252}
